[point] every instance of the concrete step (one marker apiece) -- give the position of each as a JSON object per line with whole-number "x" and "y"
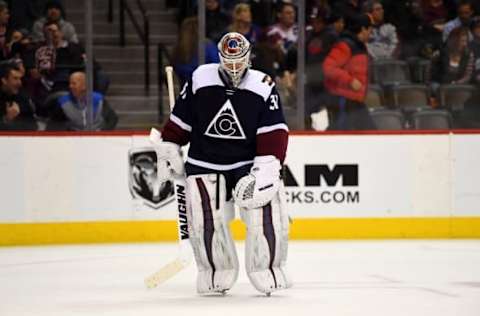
{"x": 128, "y": 77}
{"x": 118, "y": 90}
{"x": 157, "y": 28}
{"x": 130, "y": 39}
{"x": 129, "y": 52}
{"x": 136, "y": 108}
{"x": 133, "y": 60}
{"x": 119, "y": 64}
{"x": 133, "y": 103}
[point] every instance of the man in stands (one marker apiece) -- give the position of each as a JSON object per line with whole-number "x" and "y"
{"x": 465, "y": 13}
{"x": 383, "y": 42}
{"x": 71, "y": 111}
{"x": 16, "y": 109}
{"x": 54, "y": 13}
{"x": 285, "y": 32}
{"x": 346, "y": 77}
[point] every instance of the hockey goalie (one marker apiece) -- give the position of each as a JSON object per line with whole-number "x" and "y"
{"x": 232, "y": 118}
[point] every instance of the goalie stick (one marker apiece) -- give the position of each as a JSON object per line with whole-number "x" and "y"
{"x": 184, "y": 257}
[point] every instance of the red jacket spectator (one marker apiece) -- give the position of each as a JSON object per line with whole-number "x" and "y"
{"x": 345, "y": 72}
{"x": 348, "y": 60}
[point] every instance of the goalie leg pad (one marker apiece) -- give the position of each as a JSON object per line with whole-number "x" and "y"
{"x": 210, "y": 236}
{"x": 266, "y": 246}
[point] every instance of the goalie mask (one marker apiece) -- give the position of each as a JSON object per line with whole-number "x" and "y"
{"x": 234, "y": 52}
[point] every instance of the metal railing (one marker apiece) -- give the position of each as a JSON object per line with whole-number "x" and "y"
{"x": 144, "y": 34}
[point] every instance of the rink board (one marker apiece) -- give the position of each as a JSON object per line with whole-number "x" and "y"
{"x": 301, "y": 229}
{"x": 77, "y": 188}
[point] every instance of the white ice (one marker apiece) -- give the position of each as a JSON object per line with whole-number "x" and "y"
{"x": 331, "y": 278}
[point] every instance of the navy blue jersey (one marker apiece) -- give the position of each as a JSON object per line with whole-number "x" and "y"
{"x": 227, "y": 127}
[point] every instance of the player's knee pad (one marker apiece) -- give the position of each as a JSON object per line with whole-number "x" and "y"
{"x": 266, "y": 245}
{"x": 210, "y": 235}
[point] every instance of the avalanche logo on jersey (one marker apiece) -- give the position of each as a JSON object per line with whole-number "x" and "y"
{"x": 225, "y": 124}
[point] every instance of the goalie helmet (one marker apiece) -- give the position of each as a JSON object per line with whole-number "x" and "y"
{"x": 234, "y": 52}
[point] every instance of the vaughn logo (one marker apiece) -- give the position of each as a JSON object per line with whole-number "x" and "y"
{"x": 144, "y": 184}
{"x": 182, "y": 210}
{"x": 323, "y": 184}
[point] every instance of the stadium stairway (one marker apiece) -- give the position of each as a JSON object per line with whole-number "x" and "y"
{"x": 136, "y": 109}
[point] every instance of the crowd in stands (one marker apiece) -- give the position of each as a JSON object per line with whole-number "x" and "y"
{"x": 42, "y": 79}
{"x": 428, "y": 45}
{"x": 361, "y": 56}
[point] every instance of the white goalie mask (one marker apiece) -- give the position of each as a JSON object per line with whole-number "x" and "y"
{"x": 234, "y": 52}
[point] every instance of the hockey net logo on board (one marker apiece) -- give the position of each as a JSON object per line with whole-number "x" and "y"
{"x": 144, "y": 184}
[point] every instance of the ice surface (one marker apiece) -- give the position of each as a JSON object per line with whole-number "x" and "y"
{"x": 331, "y": 278}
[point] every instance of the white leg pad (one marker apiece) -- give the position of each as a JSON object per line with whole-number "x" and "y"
{"x": 210, "y": 236}
{"x": 266, "y": 246}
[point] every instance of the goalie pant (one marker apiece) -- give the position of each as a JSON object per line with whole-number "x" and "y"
{"x": 209, "y": 214}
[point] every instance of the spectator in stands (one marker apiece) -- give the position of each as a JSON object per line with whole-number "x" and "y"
{"x": 434, "y": 14}
{"x": 217, "y": 20}
{"x": 242, "y": 23}
{"x": 475, "y": 47}
{"x": 52, "y": 61}
{"x": 323, "y": 31}
{"x": 456, "y": 63}
{"x": 383, "y": 42}
{"x": 16, "y": 108}
{"x": 4, "y": 18}
{"x": 406, "y": 16}
{"x": 68, "y": 55}
{"x": 17, "y": 41}
{"x": 13, "y": 37}
{"x": 71, "y": 110}
{"x": 317, "y": 7}
{"x": 285, "y": 32}
{"x": 324, "y": 34}
{"x": 434, "y": 17}
{"x": 185, "y": 53}
{"x": 268, "y": 57}
{"x": 346, "y": 77}
{"x": 464, "y": 14}
{"x": 54, "y": 13}
{"x": 284, "y": 35}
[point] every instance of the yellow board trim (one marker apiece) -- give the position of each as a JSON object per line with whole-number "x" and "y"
{"x": 301, "y": 229}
